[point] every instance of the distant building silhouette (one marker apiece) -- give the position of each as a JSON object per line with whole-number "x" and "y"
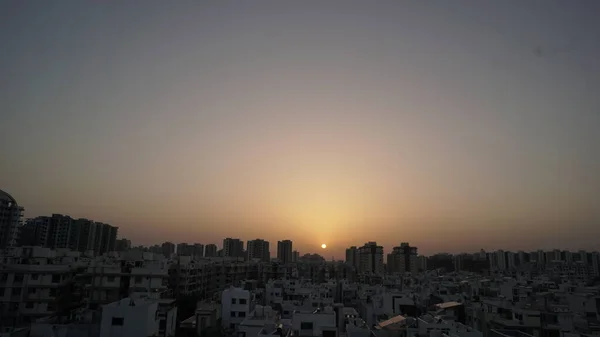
{"x": 284, "y": 251}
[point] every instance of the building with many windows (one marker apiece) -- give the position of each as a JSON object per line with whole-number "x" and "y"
{"x": 258, "y": 249}
{"x": 284, "y": 251}
{"x": 371, "y": 259}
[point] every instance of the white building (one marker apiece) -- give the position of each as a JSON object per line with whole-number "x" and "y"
{"x": 138, "y": 317}
{"x": 235, "y": 306}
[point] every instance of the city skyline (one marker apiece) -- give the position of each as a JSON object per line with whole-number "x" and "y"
{"x": 455, "y": 126}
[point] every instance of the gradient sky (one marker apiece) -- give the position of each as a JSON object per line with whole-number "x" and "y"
{"x": 454, "y": 125}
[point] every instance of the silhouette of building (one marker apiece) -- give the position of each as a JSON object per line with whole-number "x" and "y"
{"x": 371, "y": 259}
{"x": 352, "y": 257}
{"x": 258, "y": 249}
{"x": 233, "y": 248}
{"x": 210, "y": 250}
{"x": 284, "y": 251}
{"x": 403, "y": 259}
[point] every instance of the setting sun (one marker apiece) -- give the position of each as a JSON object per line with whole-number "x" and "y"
{"x": 323, "y": 246}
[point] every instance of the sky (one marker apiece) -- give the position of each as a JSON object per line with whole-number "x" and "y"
{"x": 452, "y": 125}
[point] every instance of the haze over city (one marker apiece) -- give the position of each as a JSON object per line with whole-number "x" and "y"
{"x": 453, "y": 125}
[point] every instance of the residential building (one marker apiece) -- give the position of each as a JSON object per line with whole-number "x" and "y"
{"x": 371, "y": 259}
{"x": 284, "y": 251}
{"x": 210, "y": 250}
{"x": 403, "y": 259}
{"x": 139, "y": 317}
{"x": 258, "y": 249}
{"x": 352, "y": 257}
{"x": 233, "y": 248}
{"x": 235, "y": 306}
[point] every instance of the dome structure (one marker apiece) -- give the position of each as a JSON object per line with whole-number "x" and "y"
{"x": 7, "y": 197}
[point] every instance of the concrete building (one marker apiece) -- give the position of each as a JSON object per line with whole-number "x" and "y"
{"x": 139, "y": 317}
{"x": 63, "y": 232}
{"x": 284, "y": 251}
{"x": 403, "y": 259}
{"x": 352, "y": 257}
{"x": 371, "y": 259}
{"x": 295, "y": 256}
{"x": 198, "y": 250}
{"x": 233, "y": 248}
{"x": 235, "y": 306}
{"x": 210, "y": 250}
{"x": 31, "y": 281}
{"x": 10, "y": 220}
{"x": 258, "y": 249}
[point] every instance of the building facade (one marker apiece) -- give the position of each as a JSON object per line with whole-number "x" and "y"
{"x": 284, "y": 251}
{"x": 258, "y": 249}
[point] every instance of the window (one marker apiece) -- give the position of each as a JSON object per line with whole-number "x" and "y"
{"x": 118, "y": 321}
{"x": 162, "y": 325}
{"x": 18, "y": 278}
{"x": 328, "y": 333}
{"x": 233, "y": 314}
{"x": 29, "y": 305}
{"x": 55, "y": 278}
{"x": 16, "y": 291}
{"x": 110, "y": 279}
{"x": 306, "y": 325}
{"x": 242, "y": 301}
{"x": 31, "y": 290}
{"x": 233, "y": 301}
{"x": 242, "y": 314}
{"x": 34, "y": 277}
{"x": 138, "y": 279}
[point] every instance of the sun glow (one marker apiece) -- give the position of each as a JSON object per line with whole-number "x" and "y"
{"x": 323, "y": 246}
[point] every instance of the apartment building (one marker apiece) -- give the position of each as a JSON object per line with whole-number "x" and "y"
{"x": 371, "y": 259}
{"x": 233, "y": 248}
{"x": 258, "y": 249}
{"x": 403, "y": 259}
{"x": 32, "y": 281}
{"x": 63, "y": 232}
{"x": 284, "y": 251}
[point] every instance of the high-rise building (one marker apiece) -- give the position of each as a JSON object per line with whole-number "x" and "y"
{"x": 87, "y": 234}
{"x": 198, "y": 250}
{"x": 210, "y": 250}
{"x": 403, "y": 259}
{"x": 183, "y": 249}
{"x": 10, "y": 220}
{"x": 233, "y": 248}
{"x": 352, "y": 256}
{"x": 258, "y": 249}
{"x": 168, "y": 249}
{"x": 284, "y": 251}
{"x": 371, "y": 259}
{"x": 295, "y": 256}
